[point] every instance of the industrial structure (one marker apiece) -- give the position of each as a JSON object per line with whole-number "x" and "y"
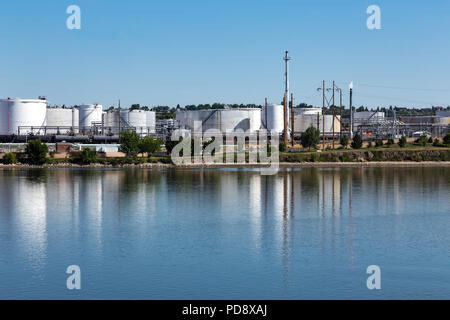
{"x": 224, "y": 120}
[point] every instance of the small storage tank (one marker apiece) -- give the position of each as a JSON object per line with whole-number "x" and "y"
{"x": 27, "y": 113}
{"x": 274, "y": 117}
{"x": 90, "y": 114}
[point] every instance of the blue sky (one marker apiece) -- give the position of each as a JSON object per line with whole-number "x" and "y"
{"x": 190, "y": 52}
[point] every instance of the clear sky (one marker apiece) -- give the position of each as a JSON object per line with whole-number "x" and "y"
{"x": 190, "y": 52}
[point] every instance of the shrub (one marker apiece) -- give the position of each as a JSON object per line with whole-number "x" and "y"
{"x": 447, "y": 139}
{"x": 378, "y": 143}
{"x": 370, "y": 145}
{"x": 344, "y": 141}
{"x": 310, "y": 138}
{"x": 430, "y": 140}
{"x": 436, "y": 143}
{"x": 36, "y": 152}
{"x": 87, "y": 156}
{"x": 129, "y": 143}
{"x": 402, "y": 142}
{"x": 282, "y": 147}
{"x": 10, "y": 158}
{"x": 390, "y": 142}
{"x": 357, "y": 142}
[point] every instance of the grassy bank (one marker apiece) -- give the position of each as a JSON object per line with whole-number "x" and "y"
{"x": 417, "y": 154}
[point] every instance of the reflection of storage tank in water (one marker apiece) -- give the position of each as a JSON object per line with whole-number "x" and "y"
{"x": 15, "y": 113}
{"x": 221, "y": 119}
{"x": 274, "y": 117}
{"x": 89, "y": 115}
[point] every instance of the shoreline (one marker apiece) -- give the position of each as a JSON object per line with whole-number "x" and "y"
{"x": 282, "y": 165}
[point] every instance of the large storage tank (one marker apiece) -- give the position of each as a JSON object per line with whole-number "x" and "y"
{"x": 144, "y": 122}
{"x": 27, "y": 113}
{"x": 274, "y": 117}
{"x": 224, "y": 120}
{"x": 304, "y": 121}
{"x": 90, "y": 114}
{"x": 62, "y": 120}
{"x": 135, "y": 119}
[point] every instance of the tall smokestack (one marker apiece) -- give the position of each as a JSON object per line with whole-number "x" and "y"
{"x": 286, "y": 88}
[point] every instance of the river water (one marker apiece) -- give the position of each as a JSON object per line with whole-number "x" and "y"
{"x": 225, "y": 234}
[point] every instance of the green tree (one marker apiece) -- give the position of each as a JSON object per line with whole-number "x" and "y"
{"x": 402, "y": 142}
{"x": 422, "y": 140}
{"x": 10, "y": 158}
{"x": 447, "y": 138}
{"x": 357, "y": 142}
{"x": 149, "y": 145}
{"x": 390, "y": 142}
{"x": 344, "y": 141}
{"x": 129, "y": 143}
{"x": 87, "y": 156}
{"x": 36, "y": 152}
{"x": 310, "y": 138}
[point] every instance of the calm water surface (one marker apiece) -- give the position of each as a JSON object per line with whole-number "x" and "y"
{"x": 225, "y": 234}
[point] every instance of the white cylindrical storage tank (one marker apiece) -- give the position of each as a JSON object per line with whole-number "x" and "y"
{"x": 27, "y": 113}
{"x": 59, "y": 120}
{"x": 136, "y": 119}
{"x": 274, "y": 117}
{"x": 75, "y": 119}
{"x": 90, "y": 114}
{"x": 151, "y": 121}
{"x": 304, "y": 121}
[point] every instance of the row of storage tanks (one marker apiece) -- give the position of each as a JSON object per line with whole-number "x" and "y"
{"x": 253, "y": 119}
{"x": 24, "y": 116}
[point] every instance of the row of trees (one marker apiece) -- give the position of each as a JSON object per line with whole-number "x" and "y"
{"x": 132, "y": 145}
{"x": 311, "y": 138}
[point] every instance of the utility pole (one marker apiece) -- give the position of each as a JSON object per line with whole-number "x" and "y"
{"x": 351, "y": 109}
{"x": 265, "y": 113}
{"x": 119, "y": 118}
{"x": 323, "y": 115}
{"x": 340, "y": 107}
{"x": 292, "y": 119}
{"x": 333, "y": 115}
{"x": 285, "y": 119}
{"x": 286, "y": 92}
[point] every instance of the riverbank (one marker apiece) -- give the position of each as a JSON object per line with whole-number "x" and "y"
{"x": 368, "y": 157}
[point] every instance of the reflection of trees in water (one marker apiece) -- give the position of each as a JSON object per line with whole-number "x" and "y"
{"x": 36, "y": 175}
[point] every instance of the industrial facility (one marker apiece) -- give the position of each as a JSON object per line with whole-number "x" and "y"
{"x": 22, "y": 119}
